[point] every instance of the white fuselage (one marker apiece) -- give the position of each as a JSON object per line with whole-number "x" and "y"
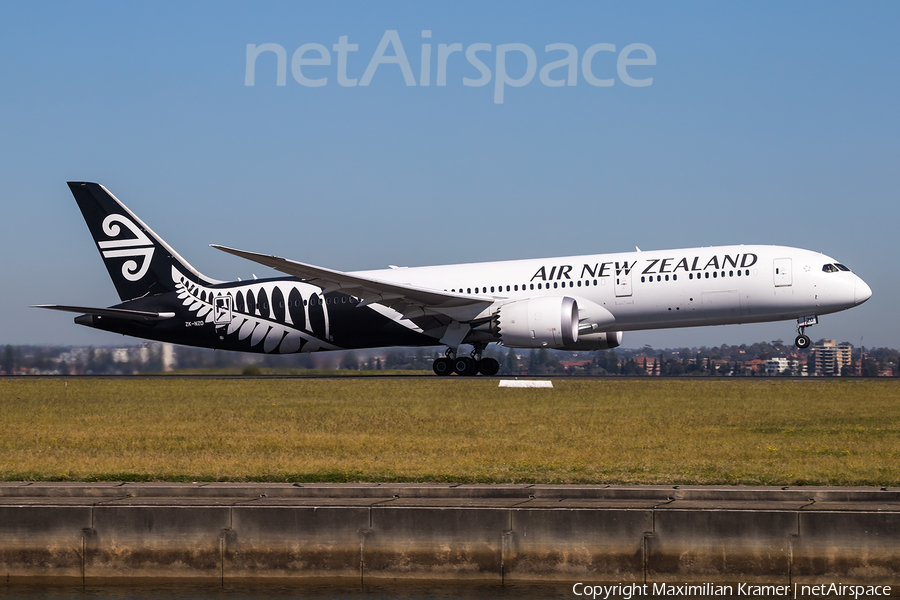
{"x": 577, "y": 302}
{"x": 661, "y": 289}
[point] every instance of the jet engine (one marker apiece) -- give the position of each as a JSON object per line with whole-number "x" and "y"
{"x": 603, "y": 340}
{"x": 542, "y": 322}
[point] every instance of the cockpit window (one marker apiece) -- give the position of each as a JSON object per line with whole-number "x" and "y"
{"x": 834, "y": 268}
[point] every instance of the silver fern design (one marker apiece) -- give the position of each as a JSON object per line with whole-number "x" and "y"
{"x": 245, "y": 312}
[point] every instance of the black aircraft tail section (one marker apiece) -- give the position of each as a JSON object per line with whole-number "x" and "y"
{"x": 139, "y": 262}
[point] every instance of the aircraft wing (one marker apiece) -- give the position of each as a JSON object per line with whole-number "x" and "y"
{"x": 411, "y": 301}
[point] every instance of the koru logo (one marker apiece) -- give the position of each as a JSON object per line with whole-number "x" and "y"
{"x": 139, "y": 246}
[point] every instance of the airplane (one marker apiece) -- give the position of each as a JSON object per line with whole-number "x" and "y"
{"x": 568, "y": 303}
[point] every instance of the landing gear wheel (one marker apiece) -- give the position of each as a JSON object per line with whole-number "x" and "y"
{"x": 442, "y": 366}
{"x": 802, "y": 341}
{"x": 465, "y": 366}
{"x": 488, "y": 366}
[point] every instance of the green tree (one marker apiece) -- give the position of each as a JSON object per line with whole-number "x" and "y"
{"x": 9, "y": 360}
{"x": 350, "y": 362}
{"x": 612, "y": 362}
{"x": 541, "y": 357}
{"x": 512, "y": 362}
{"x": 870, "y": 367}
{"x": 394, "y": 360}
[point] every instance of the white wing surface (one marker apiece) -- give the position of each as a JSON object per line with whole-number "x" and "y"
{"x": 411, "y": 301}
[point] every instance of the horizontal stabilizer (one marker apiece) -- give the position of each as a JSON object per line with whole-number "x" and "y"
{"x": 113, "y": 313}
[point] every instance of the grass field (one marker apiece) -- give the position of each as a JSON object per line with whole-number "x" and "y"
{"x": 710, "y": 431}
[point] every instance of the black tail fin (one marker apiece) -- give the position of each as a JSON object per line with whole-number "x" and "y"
{"x": 139, "y": 262}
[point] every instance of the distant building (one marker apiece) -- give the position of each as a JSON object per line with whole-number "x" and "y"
{"x": 780, "y": 366}
{"x": 168, "y": 357}
{"x": 776, "y": 366}
{"x": 755, "y": 366}
{"x": 828, "y": 358}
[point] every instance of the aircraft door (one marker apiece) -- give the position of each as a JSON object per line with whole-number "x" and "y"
{"x": 623, "y": 279}
{"x": 222, "y": 312}
{"x": 782, "y": 270}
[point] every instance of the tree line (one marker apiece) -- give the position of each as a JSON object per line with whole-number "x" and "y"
{"x": 735, "y": 360}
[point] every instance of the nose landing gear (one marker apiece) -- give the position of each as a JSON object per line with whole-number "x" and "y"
{"x": 802, "y": 341}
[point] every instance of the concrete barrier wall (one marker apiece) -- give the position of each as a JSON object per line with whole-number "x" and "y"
{"x": 95, "y": 532}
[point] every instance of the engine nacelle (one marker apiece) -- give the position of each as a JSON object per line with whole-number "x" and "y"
{"x": 542, "y": 322}
{"x": 603, "y": 340}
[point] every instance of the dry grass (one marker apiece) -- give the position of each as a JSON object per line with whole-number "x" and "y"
{"x": 835, "y": 432}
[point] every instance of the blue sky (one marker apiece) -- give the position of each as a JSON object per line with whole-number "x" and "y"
{"x": 766, "y": 123}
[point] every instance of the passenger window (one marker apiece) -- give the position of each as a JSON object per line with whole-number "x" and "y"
{"x": 642, "y": 279}
{"x": 507, "y": 288}
{"x": 532, "y": 286}
{"x": 555, "y": 284}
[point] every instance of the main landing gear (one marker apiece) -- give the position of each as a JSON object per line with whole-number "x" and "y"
{"x": 466, "y": 365}
{"x": 802, "y": 341}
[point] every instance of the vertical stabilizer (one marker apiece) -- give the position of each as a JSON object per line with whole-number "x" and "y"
{"x": 139, "y": 262}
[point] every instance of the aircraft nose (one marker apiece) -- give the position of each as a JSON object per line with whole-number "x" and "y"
{"x": 862, "y": 291}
